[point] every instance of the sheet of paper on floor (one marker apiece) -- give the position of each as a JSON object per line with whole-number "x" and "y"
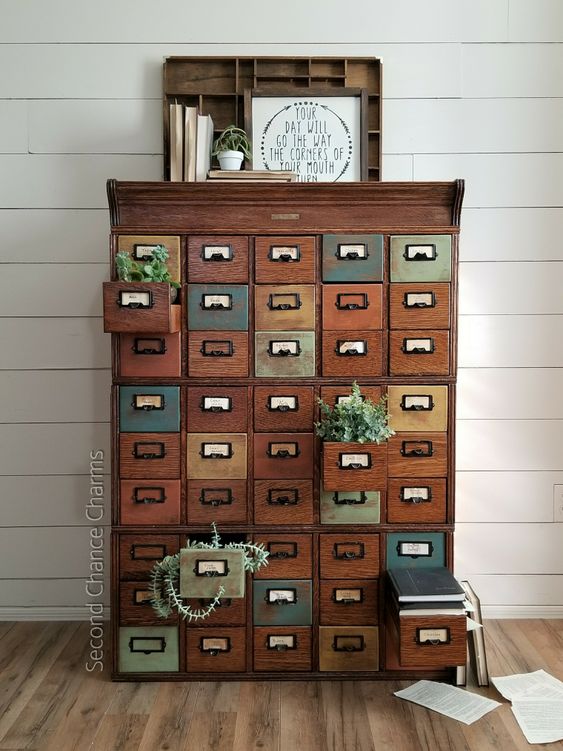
{"x": 510, "y": 686}
{"x": 541, "y": 720}
{"x": 448, "y": 700}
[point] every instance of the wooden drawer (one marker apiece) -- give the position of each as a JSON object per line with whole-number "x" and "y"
{"x": 285, "y": 259}
{"x": 150, "y": 356}
{"x": 352, "y": 353}
{"x": 223, "y": 503}
{"x": 432, "y": 641}
{"x": 229, "y": 611}
{"x": 418, "y": 455}
{"x": 283, "y": 455}
{"x": 345, "y": 601}
{"x": 282, "y": 649}
{"x": 217, "y": 456}
{"x": 149, "y": 455}
{"x": 419, "y": 352}
{"x": 349, "y": 556}
{"x": 352, "y": 258}
{"x": 288, "y": 354}
{"x": 290, "y": 555}
{"x": 419, "y": 306}
{"x": 418, "y": 501}
{"x": 352, "y": 307}
{"x": 149, "y": 409}
{"x": 149, "y": 502}
{"x": 295, "y": 594}
{"x": 354, "y": 466}
{"x": 204, "y": 572}
{"x": 284, "y": 408}
{"x": 421, "y": 258}
{"x": 221, "y": 409}
{"x": 135, "y": 606}
{"x": 217, "y": 307}
{"x": 140, "y": 247}
{"x": 284, "y": 307}
{"x": 139, "y": 553}
{"x": 277, "y": 502}
{"x": 135, "y": 307}
{"x": 217, "y": 256}
{"x": 216, "y": 649}
{"x": 415, "y": 549}
{"x": 418, "y": 408}
{"x": 148, "y": 649}
{"x": 219, "y": 354}
{"x": 348, "y": 648}
{"x": 337, "y": 394}
{"x": 350, "y": 506}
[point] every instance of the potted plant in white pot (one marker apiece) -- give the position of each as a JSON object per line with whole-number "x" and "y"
{"x": 231, "y": 147}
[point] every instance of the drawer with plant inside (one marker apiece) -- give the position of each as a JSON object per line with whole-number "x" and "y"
{"x": 282, "y": 648}
{"x": 135, "y": 607}
{"x": 420, "y": 500}
{"x": 352, "y": 307}
{"x": 415, "y": 549}
{"x": 289, "y": 354}
{"x": 140, "y": 307}
{"x": 352, "y": 258}
{"x": 425, "y": 305}
{"x": 139, "y": 553}
{"x": 283, "y": 408}
{"x": 353, "y": 648}
{"x": 420, "y": 454}
{"x": 283, "y": 502}
{"x": 333, "y": 395}
{"x": 284, "y": 307}
{"x": 349, "y": 556}
{"x": 217, "y": 307}
{"x": 218, "y": 256}
{"x": 418, "y": 408}
{"x": 221, "y": 409}
{"x": 421, "y": 258}
{"x": 216, "y": 649}
{"x": 282, "y": 602}
{"x": 149, "y": 456}
{"x": 290, "y": 555}
{"x": 344, "y": 601}
{"x": 218, "y": 501}
{"x": 149, "y": 409}
{"x": 216, "y": 456}
{"x": 283, "y": 455}
{"x": 148, "y": 649}
{"x": 218, "y": 354}
{"x": 284, "y": 259}
{"x": 150, "y": 355}
{"x": 419, "y": 352}
{"x": 141, "y": 249}
{"x": 351, "y": 506}
{"x": 149, "y": 501}
{"x": 352, "y": 353}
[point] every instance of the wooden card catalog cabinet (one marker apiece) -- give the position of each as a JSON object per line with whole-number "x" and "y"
{"x": 289, "y": 293}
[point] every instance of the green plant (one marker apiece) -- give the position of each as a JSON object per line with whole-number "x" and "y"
{"x": 154, "y": 269}
{"x": 355, "y": 420}
{"x": 232, "y": 139}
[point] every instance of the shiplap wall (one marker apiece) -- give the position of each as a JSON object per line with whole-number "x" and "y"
{"x": 472, "y": 89}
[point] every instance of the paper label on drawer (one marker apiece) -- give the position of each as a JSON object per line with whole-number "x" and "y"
{"x": 142, "y": 596}
{"x": 149, "y": 400}
{"x": 144, "y": 251}
{"x": 419, "y": 299}
{"x": 357, "y": 347}
{"x": 354, "y": 595}
{"x": 422, "y": 402}
{"x": 415, "y": 548}
{"x": 217, "y": 450}
{"x": 135, "y": 299}
{"x": 435, "y": 635}
{"x": 211, "y": 567}
{"x": 422, "y": 493}
{"x": 213, "y": 252}
{"x": 219, "y": 403}
{"x": 281, "y": 595}
{"x": 347, "y": 460}
{"x": 212, "y": 302}
{"x": 287, "y": 641}
{"x": 426, "y": 252}
{"x": 219, "y": 644}
{"x": 356, "y": 250}
{"x": 417, "y": 344}
{"x": 282, "y": 403}
{"x": 284, "y": 251}
{"x": 290, "y": 346}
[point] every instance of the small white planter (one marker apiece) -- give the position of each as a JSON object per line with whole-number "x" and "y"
{"x": 230, "y": 160}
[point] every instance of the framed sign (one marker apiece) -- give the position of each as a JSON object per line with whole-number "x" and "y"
{"x": 322, "y": 138}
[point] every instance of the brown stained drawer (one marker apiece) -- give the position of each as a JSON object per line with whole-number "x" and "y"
{"x": 140, "y": 248}
{"x": 282, "y": 648}
{"x": 136, "y": 307}
{"x": 217, "y": 649}
{"x": 149, "y": 455}
{"x": 217, "y": 257}
{"x": 349, "y": 556}
{"x": 343, "y": 648}
{"x": 135, "y": 607}
{"x": 229, "y": 611}
{"x": 337, "y": 394}
{"x": 139, "y": 553}
{"x": 282, "y": 502}
{"x": 352, "y": 353}
{"x": 218, "y": 354}
{"x": 283, "y": 455}
{"x": 283, "y": 408}
{"x": 419, "y": 352}
{"x": 418, "y": 455}
{"x": 418, "y": 408}
{"x": 149, "y": 501}
{"x": 285, "y": 259}
{"x": 419, "y": 306}
{"x": 284, "y": 307}
{"x": 217, "y": 501}
{"x": 432, "y": 641}
{"x": 352, "y": 307}
{"x": 354, "y": 466}
{"x": 290, "y": 555}
{"x": 150, "y": 355}
{"x": 421, "y": 500}
{"x": 221, "y": 409}
{"x": 216, "y": 456}
{"x": 344, "y": 601}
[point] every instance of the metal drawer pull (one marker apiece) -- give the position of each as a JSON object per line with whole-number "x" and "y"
{"x": 216, "y": 451}
{"x": 417, "y": 403}
{"x": 282, "y": 554}
{"x": 283, "y": 497}
{"x": 211, "y": 568}
{"x": 225, "y": 348}
{"x": 283, "y": 450}
{"x": 135, "y": 300}
{"x": 347, "y": 596}
{"x": 349, "y": 501}
{"x": 225, "y": 499}
{"x": 354, "y": 461}
{"x": 352, "y": 252}
{"x": 139, "y": 552}
{"x": 284, "y": 253}
{"x": 363, "y": 305}
{"x": 281, "y": 643}
{"x": 346, "y": 643}
{"x": 420, "y": 449}
{"x": 282, "y": 404}
{"x": 281, "y": 596}
{"x": 216, "y": 404}
{"x": 145, "y": 252}
{"x": 351, "y": 348}
{"x": 145, "y": 346}
{"x": 141, "y": 450}
{"x": 433, "y": 636}
{"x": 425, "y": 252}
{"x": 216, "y": 302}
{"x": 215, "y": 645}
{"x": 347, "y": 554}
{"x": 291, "y": 348}
{"x": 410, "y": 549}
{"x": 294, "y": 304}
{"x": 418, "y": 346}
{"x": 142, "y": 597}
{"x": 416, "y": 495}
{"x": 419, "y": 300}
{"x": 148, "y": 402}
{"x": 147, "y": 645}
{"x": 158, "y": 496}
{"x": 217, "y": 253}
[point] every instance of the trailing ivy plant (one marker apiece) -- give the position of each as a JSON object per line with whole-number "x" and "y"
{"x": 153, "y": 269}
{"x": 165, "y": 577}
{"x": 356, "y": 420}
{"x": 232, "y": 139}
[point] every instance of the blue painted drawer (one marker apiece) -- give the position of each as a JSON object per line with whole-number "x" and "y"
{"x": 352, "y": 258}
{"x": 149, "y": 409}
{"x": 148, "y": 649}
{"x": 416, "y": 549}
{"x": 282, "y": 602}
{"x": 217, "y": 307}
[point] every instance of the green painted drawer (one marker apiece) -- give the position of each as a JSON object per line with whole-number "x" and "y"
{"x": 217, "y": 307}
{"x": 271, "y": 360}
{"x": 421, "y": 258}
{"x": 148, "y": 649}
{"x": 352, "y": 258}
{"x": 203, "y": 571}
{"x": 296, "y": 595}
{"x": 350, "y": 507}
{"x": 416, "y": 549}
{"x": 149, "y": 409}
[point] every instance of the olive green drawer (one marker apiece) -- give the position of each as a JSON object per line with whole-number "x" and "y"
{"x": 350, "y": 507}
{"x": 288, "y": 354}
{"x": 148, "y": 649}
{"x": 421, "y": 258}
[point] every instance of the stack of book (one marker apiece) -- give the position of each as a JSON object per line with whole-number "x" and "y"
{"x": 190, "y": 144}
{"x": 252, "y": 176}
{"x": 427, "y": 591}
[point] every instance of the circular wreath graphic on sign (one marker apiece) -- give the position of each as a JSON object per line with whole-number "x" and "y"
{"x": 318, "y": 139}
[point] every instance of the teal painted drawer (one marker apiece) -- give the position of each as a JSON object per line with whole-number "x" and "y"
{"x": 282, "y": 602}
{"x": 217, "y": 307}
{"x": 148, "y": 649}
{"x": 416, "y": 549}
{"x": 352, "y": 258}
{"x": 149, "y": 409}
{"x": 288, "y": 354}
{"x": 350, "y": 506}
{"x": 421, "y": 258}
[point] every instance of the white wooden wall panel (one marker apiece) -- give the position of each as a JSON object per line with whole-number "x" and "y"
{"x": 45, "y": 593}
{"x": 540, "y": 21}
{"x": 13, "y": 133}
{"x": 397, "y": 167}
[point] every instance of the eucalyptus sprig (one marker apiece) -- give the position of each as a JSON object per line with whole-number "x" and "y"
{"x": 153, "y": 269}
{"x": 356, "y": 420}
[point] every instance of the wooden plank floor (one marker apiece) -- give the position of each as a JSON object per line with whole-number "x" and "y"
{"x": 48, "y": 701}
